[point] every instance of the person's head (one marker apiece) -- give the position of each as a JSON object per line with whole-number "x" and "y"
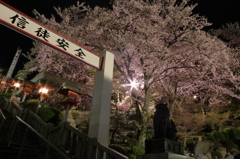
{"x": 161, "y": 105}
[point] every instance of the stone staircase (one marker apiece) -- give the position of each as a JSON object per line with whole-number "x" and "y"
{"x": 32, "y": 148}
{"x": 44, "y": 141}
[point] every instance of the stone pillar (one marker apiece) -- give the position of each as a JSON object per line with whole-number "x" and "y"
{"x": 100, "y": 113}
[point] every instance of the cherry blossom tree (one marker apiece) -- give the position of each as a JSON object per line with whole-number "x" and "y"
{"x": 44, "y": 58}
{"x": 158, "y": 45}
{"x": 230, "y": 33}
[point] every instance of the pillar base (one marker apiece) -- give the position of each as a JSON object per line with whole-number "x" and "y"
{"x": 166, "y": 155}
{"x": 162, "y": 145}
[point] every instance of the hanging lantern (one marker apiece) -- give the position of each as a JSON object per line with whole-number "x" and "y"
{"x": 71, "y": 94}
{"x": 28, "y": 86}
{"x": 1, "y": 85}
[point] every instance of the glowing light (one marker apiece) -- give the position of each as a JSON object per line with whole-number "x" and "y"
{"x": 43, "y": 90}
{"x": 195, "y": 97}
{"x": 133, "y": 84}
{"x": 17, "y": 85}
{"x": 3, "y": 82}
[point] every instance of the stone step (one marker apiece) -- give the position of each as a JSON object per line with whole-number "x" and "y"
{"x": 32, "y": 148}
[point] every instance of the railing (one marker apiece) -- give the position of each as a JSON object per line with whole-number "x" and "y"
{"x": 36, "y": 122}
{"x": 49, "y": 145}
{"x": 65, "y": 137}
{"x": 79, "y": 145}
{"x": 71, "y": 140}
{"x": 2, "y": 118}
{"x": 13, "y": 108}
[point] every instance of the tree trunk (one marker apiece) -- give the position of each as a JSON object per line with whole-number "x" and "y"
{"x": 144, "y": 120}
{"x": 112, "y": 140}
{"x": 143, "y": 132}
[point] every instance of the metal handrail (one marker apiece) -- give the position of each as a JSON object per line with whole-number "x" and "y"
{"x": 43, "y": 138}
{"x": 2, "y": 114}
{"x": 4, "y": 118}
{"x": 108, "y": 151}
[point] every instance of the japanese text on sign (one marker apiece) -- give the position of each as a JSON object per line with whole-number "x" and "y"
{"x": 18, "y": 21}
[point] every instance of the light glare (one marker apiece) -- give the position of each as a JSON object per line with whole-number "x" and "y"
{"x": 16, "y": 85}
{"x": 43, "y": 90}
{"x": 133, "y": 85}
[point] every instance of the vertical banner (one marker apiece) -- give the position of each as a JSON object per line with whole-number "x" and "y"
{"x": 14, "y": 63}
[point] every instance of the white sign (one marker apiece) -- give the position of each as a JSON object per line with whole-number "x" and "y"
{"x": 16, "y": 20}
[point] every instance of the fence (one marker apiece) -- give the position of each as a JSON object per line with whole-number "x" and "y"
{"x": 74, "y": 142}
{"x": 55, "y": 152}
{"x": 13, "y": 108}
{"x": 63, "y": 136}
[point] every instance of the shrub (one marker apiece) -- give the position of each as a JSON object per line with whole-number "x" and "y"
{"x": 216, "y": 154}
{"x": 75, "y": 114}
{"x": 218, "y": 135}
{"x": 132, "y": 156}
{"x": 137, "y": 150}
{"x": 210, "y": 137}
{"x": 236, "y": 123}
{"x": 49, "y": 114}
{"x": 7, "y": 95}
{"x": 131, "y": 152}
{"x": 31, "y": 104}
{"x": 131, "y": 141}
{"x": 227, "y": 138}
{"x": 190, "y": 141}
{"x": 57, "y": 115}
{"x": 229, "y": 144}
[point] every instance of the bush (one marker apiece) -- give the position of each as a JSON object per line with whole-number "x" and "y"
{"x": 216, "y": 154}
{"x": 131, "y": 156}
{"x": 218, "y": 135}
{"x": 131, "y": 152}
{"x": 236, "y": 123}
{"x": 75, "y": 114}
{"x": 7, "y": 95}
{"x": 131, "y": 141}
{"x": 210, "y": 137}
{"x": 233, "y": 133}
{"x": 229, "y": 144}
{"x": 190, "y": 141}
{"x": 31, "y": 104}
{"x": 227, "y": 138}
{"x": 138, "y": 150}
{"x": 50, "y": 114}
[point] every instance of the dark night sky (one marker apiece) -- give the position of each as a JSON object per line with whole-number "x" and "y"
{"x": 218, "y": 12}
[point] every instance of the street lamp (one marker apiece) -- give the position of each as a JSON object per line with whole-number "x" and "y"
{"x": 28, "y": 87}
{"x": 16, "y": 86}
{"x": 133, "y": 85}
{"x": 2, "y": 84}
{"x": 43, "y": 92}
{"x": 7, "y": 83}
{"x": 71, "y": 94}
